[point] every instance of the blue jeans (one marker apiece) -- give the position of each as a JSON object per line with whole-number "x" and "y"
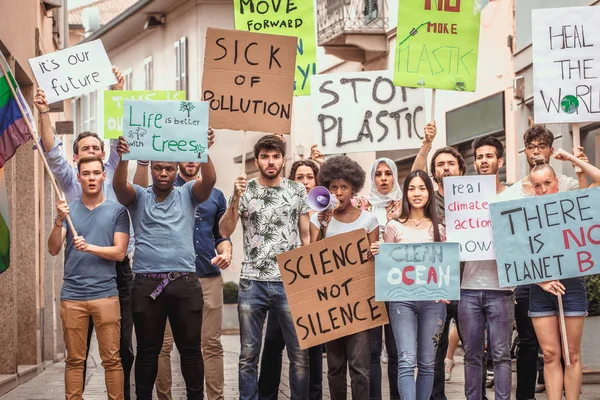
{"x": 417, "y": 329}
{"x": 476, "y": 309}
{"x": 255, "y": 299}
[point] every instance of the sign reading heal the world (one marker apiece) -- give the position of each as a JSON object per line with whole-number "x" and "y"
{"x": 166, "y": 130}
{"x": 547, "y": 237}
{"x": 437, "y": 43}
{"x": 73, "y": 71}
{"x": 417, "y": 271}
{"x": 248, "y": 80}
{"x": 364, "y": 111}
{"x": 114, "y": 105}
{"x": 330, "y": 288}
{"x": 468, "y": 215}
{"x": 287, "y": 18}
{"x": 566, "y": 69}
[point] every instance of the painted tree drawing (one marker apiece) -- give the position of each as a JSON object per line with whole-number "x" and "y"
{"x": 186, "y": 106}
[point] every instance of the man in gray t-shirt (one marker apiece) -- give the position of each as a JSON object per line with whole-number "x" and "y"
{"x": 90, "y": 279}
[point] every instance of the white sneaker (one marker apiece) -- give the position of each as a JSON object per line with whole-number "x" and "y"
{"x": 448, "y": 365}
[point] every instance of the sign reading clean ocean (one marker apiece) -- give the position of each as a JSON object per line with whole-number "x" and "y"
{"x": 166, "y": 130}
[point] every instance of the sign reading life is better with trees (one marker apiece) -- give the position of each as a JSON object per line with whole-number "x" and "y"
{"x": 417, "y": 271}
{"x": 437, "y": 44}
{"x": 331, "y": 289}
{"x": 248, "y": 80}
{"x": 114, "y": 105}
{"x": 547, "y": 237}
{"x": 566, "y": 69}
{"x": 73, "y": 71}
{"x": 287, "y": 18}
{"x": 468, "y": 222}
{"x": 166, "y": 130}
{"x": 364, "y": 111}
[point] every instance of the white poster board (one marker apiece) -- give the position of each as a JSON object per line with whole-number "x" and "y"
{"x": 468, "y": 222}
{"x": 566, "y": 68}
{"x": 73, "y": 71}
{"x": 364, "y": 111}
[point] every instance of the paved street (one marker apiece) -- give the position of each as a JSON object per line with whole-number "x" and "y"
{"x": 50, "y": 385}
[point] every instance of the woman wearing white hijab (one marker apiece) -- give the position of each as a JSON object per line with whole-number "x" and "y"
{"x": 385, "y": 201}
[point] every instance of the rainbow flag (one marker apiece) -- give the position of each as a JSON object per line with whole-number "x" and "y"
{"x": 13, "y": 130}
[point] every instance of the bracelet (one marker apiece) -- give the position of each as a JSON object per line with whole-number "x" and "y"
{"x": 61, "y": 222}
{"x": 143, "y": 163}
{"x": 45, "y": 112}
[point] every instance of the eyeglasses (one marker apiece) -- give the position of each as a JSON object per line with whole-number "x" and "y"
{"x": 540, "y": 147}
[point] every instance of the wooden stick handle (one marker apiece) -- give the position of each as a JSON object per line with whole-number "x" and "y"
{"x": 576, "y": 141}
{"x": 244, "y": 152}
{"x": 433, "y": 93}
{"x": 563, "y": 330}
{"x": 38, "y": 143}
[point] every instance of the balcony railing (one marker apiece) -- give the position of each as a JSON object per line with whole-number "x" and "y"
{"x": 337, "y": 17}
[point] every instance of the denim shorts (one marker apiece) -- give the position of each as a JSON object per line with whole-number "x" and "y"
{"x": 544, "y": 304}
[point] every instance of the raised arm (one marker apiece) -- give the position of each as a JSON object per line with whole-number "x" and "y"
{"x": 204, "y": 185}
{"x": 587, "y": 168}
{"x": 124, "y": 190}
{"x": 141, "y": 174}
{"x": 59, "y": 233}
{"x": 231, "y": 216}
{"x": 421, "y": 158}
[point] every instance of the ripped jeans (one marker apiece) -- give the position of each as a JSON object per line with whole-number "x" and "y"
{"x": 417, "y": 327}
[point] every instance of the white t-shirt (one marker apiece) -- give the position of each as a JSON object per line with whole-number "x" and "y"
{"x": 366, "y": 220}
{"x": 516, "y": 191}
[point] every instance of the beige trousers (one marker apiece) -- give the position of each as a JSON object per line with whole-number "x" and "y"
{"x": 106, "y": 314}
{"x": 212, "y": 350}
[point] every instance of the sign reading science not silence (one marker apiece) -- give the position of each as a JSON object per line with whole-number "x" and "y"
{"x": 330, "y": 288}
{"x": 166, "y": 130}
{"x": 248, "y": 80}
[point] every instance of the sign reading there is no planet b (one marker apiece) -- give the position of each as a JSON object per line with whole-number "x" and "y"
{"x": 566, "y": 68}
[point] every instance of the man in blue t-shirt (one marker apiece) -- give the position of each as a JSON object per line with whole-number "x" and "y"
{"x": 90, "y": 278}
{"x": 165, "y": 284}
{"x": 213, "y": 253}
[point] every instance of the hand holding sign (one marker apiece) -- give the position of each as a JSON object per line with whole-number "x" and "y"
{"x": 120, "y": 85}
{"x": 40, "y": 101}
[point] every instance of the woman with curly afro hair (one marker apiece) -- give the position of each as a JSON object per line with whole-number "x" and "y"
{"x": 345, "y": 178}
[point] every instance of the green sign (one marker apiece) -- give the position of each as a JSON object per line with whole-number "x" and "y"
{"x": 114, "y": 103}
{"x": 287, "y": 18}
{"x": 437, "y": 44}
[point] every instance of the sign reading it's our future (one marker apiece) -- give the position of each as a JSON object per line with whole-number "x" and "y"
{"x": 566, "y": 69}
{"x": 417, "y": 271}
{"x": 437, "y": 44}
{"x": 467, "y": 202}
{"x": 364, "y": 111}
{"x": 114, "y": 105}
{"x": 248, "y": 80}
{"x": 547, "y": 237}
{"x": 330, "y": 287}
{"x": 287, "y": 18}
{"x": 166, "y": 130}
{"x": 73, "y": 71}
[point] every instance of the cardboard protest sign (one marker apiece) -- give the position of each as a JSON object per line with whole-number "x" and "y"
{"x": 437, "y": 44}
{"x": 468, "y": 221}
{"x": 566, "y": 74}
{"x": 364, "y": 111}
{"x": 547, "y": 237}
{"x": 166, "y": 130}
{"x": 114, "y": 106}
{"x": 287, "y": 18}
{"x": 417, "y": 271}
{"x": 330, "y": 288}
{"x": 248, "y": 80}
{"x": 73, "y": 71}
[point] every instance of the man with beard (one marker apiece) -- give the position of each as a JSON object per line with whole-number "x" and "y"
{"x": 209, "y": 264}
{"x": 483, "y": 302}
{"x": 274, "y": 214}
{"x": 165, "y": 283}
{"x": 445, "y": 162}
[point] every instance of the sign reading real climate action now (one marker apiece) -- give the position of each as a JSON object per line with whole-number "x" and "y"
{"x": 548, "y": 237}
{"x": 166, "y": 130}
{"x": 248, "y": 80}
{"x": 330, "y": 287}
{"x": 437, "y": 44}
{"x": 287, "y": 18}
{"x": 566, "y": 69}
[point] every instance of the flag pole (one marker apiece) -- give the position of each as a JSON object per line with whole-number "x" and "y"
{"x": 34, "y": 133}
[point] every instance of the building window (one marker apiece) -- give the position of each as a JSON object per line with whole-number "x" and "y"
{"x": 87, "y": 111}
{"x": 181, "y": 65}
{"x": 128, "y": 76}
{"x": 370, "y": 11}
{"x": 149, "y": 73}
